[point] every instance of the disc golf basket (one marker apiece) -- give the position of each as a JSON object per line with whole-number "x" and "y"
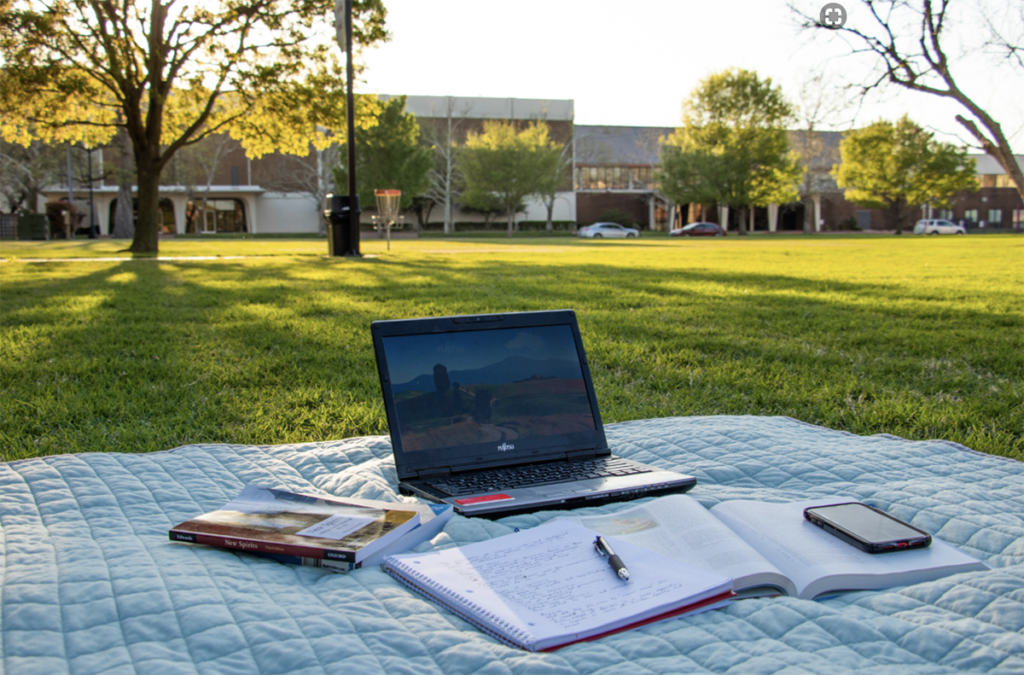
{"x": 388, "y": 202}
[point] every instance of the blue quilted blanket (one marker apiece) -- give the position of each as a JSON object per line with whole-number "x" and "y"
{"x": 91, "y": 584}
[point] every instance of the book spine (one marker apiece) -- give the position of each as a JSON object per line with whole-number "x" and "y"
{"x": 471, "y": 612}
{"x": 239, "y": 544}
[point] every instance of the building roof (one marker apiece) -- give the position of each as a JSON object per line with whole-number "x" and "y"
{"x": 477, "y": 107}
{"x": 636, "y": 146}
{"x": 987, "y": 164}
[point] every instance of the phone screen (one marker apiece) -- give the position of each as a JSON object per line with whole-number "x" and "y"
{"x": 859, "y": 520}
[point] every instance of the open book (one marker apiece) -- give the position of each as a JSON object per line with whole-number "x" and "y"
{"x": 769, "y": 549}
{"x": 546, "y": 587}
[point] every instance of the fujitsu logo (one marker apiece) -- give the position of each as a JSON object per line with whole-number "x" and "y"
{"x": 505, "y": 447}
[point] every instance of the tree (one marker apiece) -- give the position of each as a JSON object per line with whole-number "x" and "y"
{"x": 443, "y": 140}
{"x": 27, "y": 169}
{"x": 171, "y": 75}
{"x": 732, "y": 147}
{"x": 907, "y": 37}
{"x": 197, "y": 165}
{"x": 819, "y": 102}
{"x": 389, "y": 155}
{"x": 312, "y": 176}
{"x": 554, "y": 178}
{"x": 503, "y": 166}
{"x": 900, "y": 166}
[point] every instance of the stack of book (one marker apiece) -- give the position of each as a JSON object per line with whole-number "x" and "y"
{"x": 338, "y": 534}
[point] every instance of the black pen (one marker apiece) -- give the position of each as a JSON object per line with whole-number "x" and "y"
{"x": 601, "y": 544}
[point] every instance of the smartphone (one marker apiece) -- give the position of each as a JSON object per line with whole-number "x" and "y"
{"x": 867, "y": 528}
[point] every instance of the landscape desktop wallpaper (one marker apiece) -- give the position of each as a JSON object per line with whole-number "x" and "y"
{"x": 457, "y": 389}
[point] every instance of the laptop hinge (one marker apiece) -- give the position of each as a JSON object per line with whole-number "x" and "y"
{"x": 581, "y": 454}
{"x": 433, "y": 472}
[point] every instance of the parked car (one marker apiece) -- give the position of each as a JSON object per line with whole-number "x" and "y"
{"x": 938, "y": 226}
{"x": 608, "y": 231}
{"x": 698, "y": 230}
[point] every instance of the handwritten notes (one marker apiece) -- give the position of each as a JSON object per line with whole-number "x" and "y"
{"x": 550, "y": 582}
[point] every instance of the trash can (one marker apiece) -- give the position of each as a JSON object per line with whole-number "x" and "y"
{"x": 342, "y": 225}
{"x": 33, "y": 226}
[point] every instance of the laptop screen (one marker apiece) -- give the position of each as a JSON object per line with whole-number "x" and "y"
{"x": 502, "y": 387}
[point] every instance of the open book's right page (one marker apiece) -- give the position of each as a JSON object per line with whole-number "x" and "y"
{"x": 819, "y": 563}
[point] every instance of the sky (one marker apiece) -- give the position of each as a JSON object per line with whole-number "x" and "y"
{"x": 634, "y": 63}
{"x": 409, "y": 357}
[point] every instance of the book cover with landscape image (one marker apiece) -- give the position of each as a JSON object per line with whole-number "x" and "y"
{"x": 487, "y": 386}
{"x": 276, "y": 521}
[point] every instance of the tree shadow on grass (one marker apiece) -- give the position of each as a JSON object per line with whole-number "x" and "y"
{"x": 140, "y": 356}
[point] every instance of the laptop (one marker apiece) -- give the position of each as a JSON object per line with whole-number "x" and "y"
{"x": 495, "y": 414}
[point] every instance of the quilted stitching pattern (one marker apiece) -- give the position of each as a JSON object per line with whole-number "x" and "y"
{"x": 91, "y": 584}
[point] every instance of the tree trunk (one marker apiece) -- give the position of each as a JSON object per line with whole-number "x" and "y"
{"x": 511, "y": 223}
{"x": 147, "y": 229}
{"x": 124, "y": 227}
{"x": 549, "y": 227}
{"x": 895, "y": 208}
{"x": 124, "y": 215}
{"x": 743, "y": 221}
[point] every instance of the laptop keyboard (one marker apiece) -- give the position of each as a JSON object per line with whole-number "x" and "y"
{"x": 537, "y": 474}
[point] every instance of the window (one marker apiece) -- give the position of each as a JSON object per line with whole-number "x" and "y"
{"x": 995, "y": 217}
{"x": 1003, "y": 180}
{"x": 971, "y": 216}
{"x": 604, "y": 178}
{"x": 643, "y": 177}
{"x": 220, "y": 215}
{"x": 946, "y": 214}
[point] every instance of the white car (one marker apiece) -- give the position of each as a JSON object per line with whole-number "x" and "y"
{"x": 607, "y": 231}
{"x": 938, "y": 226}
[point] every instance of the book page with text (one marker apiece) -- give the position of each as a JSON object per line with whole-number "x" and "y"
{"x": 679, "y": 527}
{"x": 818, "y": 562}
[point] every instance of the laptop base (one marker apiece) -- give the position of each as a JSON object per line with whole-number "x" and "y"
{"x": 559, "y": 496}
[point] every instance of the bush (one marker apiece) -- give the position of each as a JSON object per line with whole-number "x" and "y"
{"x": 616, "y": 216}
{"x": 502, "y": 224}
{"x": 556, "y": 225}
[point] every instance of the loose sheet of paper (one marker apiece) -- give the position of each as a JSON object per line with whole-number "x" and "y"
{"x": 336, "y": 527}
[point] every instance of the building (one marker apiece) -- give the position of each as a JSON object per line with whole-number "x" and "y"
{"x": 447, "y": 120}
{"x": 612, "y": 177}
{"x": 614, "y": 173}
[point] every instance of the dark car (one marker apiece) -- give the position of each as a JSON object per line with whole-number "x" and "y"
{"x": 698, "y": 230}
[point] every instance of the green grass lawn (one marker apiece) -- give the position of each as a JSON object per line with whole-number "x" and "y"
{"x": 913, "y": 336}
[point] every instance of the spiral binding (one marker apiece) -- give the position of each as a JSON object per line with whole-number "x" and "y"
{"x": 458, "y": 605}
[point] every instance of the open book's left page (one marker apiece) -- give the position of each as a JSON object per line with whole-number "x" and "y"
{"x": 679, "y": 527}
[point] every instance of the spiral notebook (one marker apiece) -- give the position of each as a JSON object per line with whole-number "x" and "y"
{"x": 547, "y": 587}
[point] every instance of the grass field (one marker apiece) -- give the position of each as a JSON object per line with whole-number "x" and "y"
{"x": 917, "y": 337}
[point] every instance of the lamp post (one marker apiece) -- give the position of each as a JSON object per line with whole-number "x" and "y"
{"x": 93, "y": 228}
{"x": 344, "y": 210}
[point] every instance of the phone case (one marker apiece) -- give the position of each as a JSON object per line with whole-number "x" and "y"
{"x": 868, "y": 546}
